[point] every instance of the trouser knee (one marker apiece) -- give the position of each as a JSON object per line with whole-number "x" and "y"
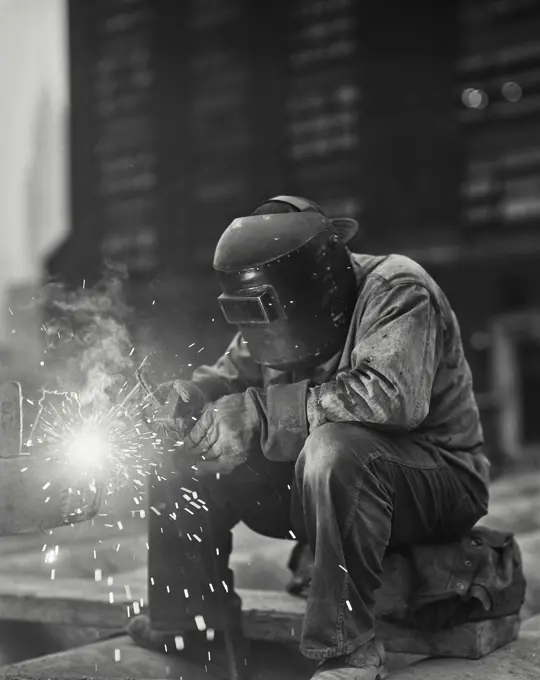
{"x": 334, "y": 451}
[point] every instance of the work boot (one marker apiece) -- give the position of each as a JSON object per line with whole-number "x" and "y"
{"x": 196, "y": 646}
{"x": 365, "y": 663}
{"x": 140, "y": 631}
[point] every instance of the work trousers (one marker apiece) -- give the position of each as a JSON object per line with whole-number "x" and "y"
{"x": 352, "y": 494}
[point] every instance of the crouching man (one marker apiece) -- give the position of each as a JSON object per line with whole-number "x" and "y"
{"x": 342, "y": 413}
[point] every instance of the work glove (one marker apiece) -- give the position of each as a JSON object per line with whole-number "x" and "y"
{"x": 225, "y": 433}
{"x": 178, "y": 405}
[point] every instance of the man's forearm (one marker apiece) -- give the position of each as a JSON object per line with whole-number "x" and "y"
{"x": 359, "y": 397}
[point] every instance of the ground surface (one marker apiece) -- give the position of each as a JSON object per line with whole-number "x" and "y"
{"x": 115, "y": 550}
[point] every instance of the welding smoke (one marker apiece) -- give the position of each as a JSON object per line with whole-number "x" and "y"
{"x": 89, "y": 341}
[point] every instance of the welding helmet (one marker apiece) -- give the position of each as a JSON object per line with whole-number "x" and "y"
{"x": 287, "y": 282}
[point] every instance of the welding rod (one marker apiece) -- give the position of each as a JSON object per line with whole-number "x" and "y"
{"x": 129, "y": 395}
{"x": 139, "y": 384}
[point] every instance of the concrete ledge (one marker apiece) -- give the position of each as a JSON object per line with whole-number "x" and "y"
{"x": 268, "y": 615}
{"x": 520, "y": 660}
{"x": 268, "y": 662}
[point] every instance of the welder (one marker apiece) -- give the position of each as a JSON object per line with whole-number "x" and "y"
{"x": 342, "y": 414}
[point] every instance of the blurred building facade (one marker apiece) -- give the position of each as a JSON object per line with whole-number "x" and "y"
{"x": 420, "y": 119}
{"x": 33, "y": 142}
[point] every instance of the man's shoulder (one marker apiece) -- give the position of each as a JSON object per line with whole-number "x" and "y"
{"x": 393, "y": 269}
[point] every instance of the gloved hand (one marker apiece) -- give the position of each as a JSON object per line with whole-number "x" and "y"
{"x": 225, "y": 433}
{"x": 181, "y": 402}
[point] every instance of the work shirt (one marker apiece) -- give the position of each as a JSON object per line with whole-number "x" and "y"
{"x": 402, "y": 369}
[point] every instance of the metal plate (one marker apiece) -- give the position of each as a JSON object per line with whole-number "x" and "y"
{"x": 10, "y": 419}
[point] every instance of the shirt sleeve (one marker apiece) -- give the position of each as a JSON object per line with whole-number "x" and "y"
{"x": 393, "y": 365}
{"x": 389, "y": 384}
{"x": 235, "y": 371}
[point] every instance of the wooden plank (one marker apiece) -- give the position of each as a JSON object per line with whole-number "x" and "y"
{"x": 519, "y": 660}
{"x": 268, "y": 615}
{"x": 276, "y": 616}
{"x": 469, "y": 641}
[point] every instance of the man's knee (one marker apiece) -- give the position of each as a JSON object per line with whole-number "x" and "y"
{"x": 335, "y": 449}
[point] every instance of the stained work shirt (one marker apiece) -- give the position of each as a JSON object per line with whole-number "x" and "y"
{"x": 402, "y": 370}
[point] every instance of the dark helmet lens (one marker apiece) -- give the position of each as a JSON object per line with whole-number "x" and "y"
{"x": 250, "y": 309}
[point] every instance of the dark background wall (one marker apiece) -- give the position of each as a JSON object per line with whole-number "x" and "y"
{"x": 185, "y": 115}
{"x": 420, "y": 119}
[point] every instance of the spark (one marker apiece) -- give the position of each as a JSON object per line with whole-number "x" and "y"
{"x": 200, "y": 622}
{"x": 95, "y": 444}
{"x": 103, "y": 444}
